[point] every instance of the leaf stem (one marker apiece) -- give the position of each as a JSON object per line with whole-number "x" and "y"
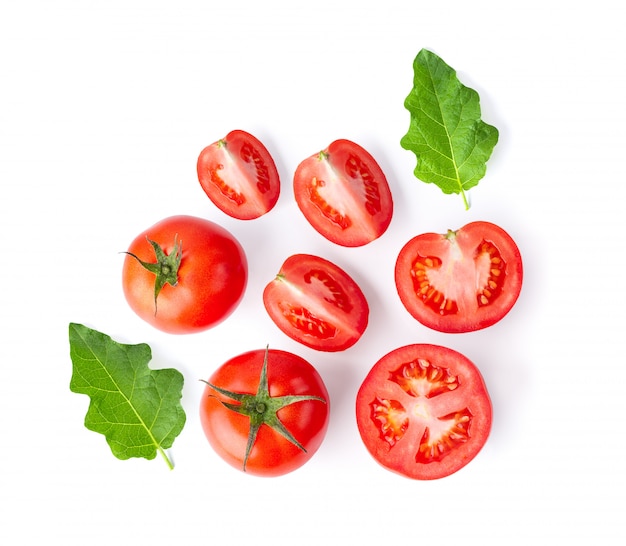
{"x": 465, "y": 200}
{"x": 169, "y": 463}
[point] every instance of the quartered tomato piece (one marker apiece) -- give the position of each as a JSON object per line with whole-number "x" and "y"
{"x": 343, "y": 193}
{"x": 462, "y": 281}
{"x": 239, "y": 175}
{"x": 423, "y": 411}
{"x": 317, "y": 303}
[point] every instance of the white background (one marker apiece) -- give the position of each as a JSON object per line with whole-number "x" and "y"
{"x": 104, "y": 107}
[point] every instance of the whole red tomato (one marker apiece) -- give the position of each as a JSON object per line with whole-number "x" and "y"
{"x": 344, "y": 194}
{"x": 317, "y": 303}
{"x": 423, "y": 411}
{"x": 184, "y": 274}
{"x": 265, "y": 412}
{"x": 461, "y": 281}
{"x": 239, "y": 176}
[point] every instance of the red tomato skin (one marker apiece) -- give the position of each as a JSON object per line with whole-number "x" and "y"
{"x": 347, "y": 210}
{"x": 272, "y": 455}
{"x": 212, "y": 277}
{"x": 337, "y": 295}
{"x": 471, "y": 393}
{"x": 471, "y": 315}
{"x": 239, "y": 175}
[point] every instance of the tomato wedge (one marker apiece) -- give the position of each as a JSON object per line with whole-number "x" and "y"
{"x": 317, "y": 303}
{"x": 423, "y": 411}
{"x": 462, "y": 281}
{"x": 239, "y": 175}
{"x": 344, "y": 194}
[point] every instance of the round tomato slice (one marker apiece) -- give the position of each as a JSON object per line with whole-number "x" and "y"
{"x": 184, "y": 274}
{"x": 462, "y": 281}
{"x": 239, "y": 175}
{"x": 265, "y": 412}
{"x": 317, "y": 303}
{"x": 423, "y": 411}
{"x": 344, "y": 194}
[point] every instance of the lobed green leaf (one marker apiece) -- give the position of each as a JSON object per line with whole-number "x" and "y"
{"x": 137, "y": 409}
{"x": 451, "y": 142}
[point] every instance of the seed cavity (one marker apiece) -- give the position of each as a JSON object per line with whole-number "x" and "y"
{"x": 430, "y": 296}
{"x": 492, "y": 288}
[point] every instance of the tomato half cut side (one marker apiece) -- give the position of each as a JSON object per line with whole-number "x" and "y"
{"x": 461, "y": 281}
{"x": 265, "y": 412}
{"x": 423, "y": 411}
{"x": 239, "y": 176}
{"x": 343, "y": 193}
{"x": 316, "y": 303}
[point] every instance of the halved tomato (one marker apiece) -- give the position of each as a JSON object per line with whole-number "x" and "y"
{"x": 344, "y": 194}
{"x": 423, "y": 411}
{"x": 317, "y": 303}
{"x": 239, "y": 175}
{"x": 462, "y": 281}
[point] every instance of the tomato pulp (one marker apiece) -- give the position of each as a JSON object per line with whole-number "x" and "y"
{"x": 317, "y": 303}
{"x": 462, "y": 281}
{"x": 265, "y": 412}
{"x": 184, "y": 274}
{"x": 344, "y": 194}
{"x": 423, "y": 411}
{"x": 239, "y": 176}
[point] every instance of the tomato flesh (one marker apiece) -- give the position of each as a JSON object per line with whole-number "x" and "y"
{"x": 423, "y": 411}
{"x": 268, "y": 452}
{"x": 209, "y": 284}
{"x": 239, "y": 176}
{"x": 344, "y": 194}
{"x": 316, "y": 303}
{"x": 461, "y": 281}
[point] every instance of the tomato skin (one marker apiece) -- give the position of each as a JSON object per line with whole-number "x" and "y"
{"x": 212, "y": 277}
{"x": 344, "y": 194}
{"x": 272, "y": 454}
{"x": 462, "y": 281}
{"x": 239, "y": 176}
{"x": 399, "y": 410}
{"x": 316, "y": 303}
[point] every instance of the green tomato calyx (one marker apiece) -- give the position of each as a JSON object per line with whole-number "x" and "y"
{"x": 166, "y": 267}
{"x": 262, "y": 408}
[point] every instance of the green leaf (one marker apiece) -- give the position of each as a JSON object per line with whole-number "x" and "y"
{"x": 137, "y": 409}
{"x": 451, "y": 142}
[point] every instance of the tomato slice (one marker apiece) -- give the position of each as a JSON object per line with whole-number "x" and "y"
{"x": 317, "y": 303}
{"x": 239, "y": 175}
{"x": 462, "y": 281}
{"x": 344, "y": 194}
{"x": 423, "y": 411}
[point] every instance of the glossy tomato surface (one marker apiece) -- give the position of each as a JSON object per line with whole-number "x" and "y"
{"x": 423, "y": 411}
{"x": 237, "y": 399}
{"x": 461, "y": 281}
{"x": 344, "y": 194}
{"x": 317, "y": 303}
{"x": 207, "y": 286}
{"x": 239, "y": 176}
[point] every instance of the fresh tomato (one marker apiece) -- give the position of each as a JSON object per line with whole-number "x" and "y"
{"x": 462, "y": 281}
{"x": 343, "y": 193}
{"x": 317, "y": 303}
{"x": 265, "y": 412}
{"x": 239, "y": 175}
{"x": 423, "y": 411}
{"x": 184, "y": 274}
